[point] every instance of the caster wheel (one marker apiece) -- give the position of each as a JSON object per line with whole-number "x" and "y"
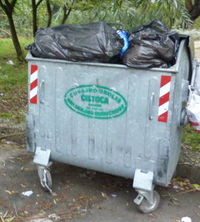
{"x": 45, "y": 178}
{"x": 146, "y": 207}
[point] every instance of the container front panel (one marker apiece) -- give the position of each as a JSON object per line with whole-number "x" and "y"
{"x": 104, "y": 119}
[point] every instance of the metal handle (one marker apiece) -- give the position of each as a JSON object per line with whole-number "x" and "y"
{"x": 41, "y": 92}
{"x": 151, "y": 102}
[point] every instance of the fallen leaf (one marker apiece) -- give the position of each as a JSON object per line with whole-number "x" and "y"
{"x": 197, "y": 186}
{"x": 184, "y": 184}
{"x": 11, "y": 192}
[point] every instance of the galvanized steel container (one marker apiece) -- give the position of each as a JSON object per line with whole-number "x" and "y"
{"x": 109, "y": 118}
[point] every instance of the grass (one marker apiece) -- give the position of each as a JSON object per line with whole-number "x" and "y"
{"x": 13, "y": 82}
{"x": 13, "y": 90}
{"x": 191, "y": 138}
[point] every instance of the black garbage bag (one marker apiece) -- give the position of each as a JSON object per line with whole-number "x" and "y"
{"x": 152, "y": 45}
{"x": 94, "y": 42}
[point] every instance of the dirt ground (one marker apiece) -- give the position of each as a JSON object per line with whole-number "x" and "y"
{"x": 79, "y": 194}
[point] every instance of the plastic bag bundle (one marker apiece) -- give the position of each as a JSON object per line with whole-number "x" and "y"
{"x": 94, "y": 42}
{"x": 152, "y": 45}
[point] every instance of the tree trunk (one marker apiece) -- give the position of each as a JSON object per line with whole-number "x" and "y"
{"x": 193, "y": 9}
{"x": 188, "y": 5}
{"x": 66, "y": 13}
{"x": 8, "y": 8}
{"x": 15, "y": 38}
{"x": 49, "y": 13}
{"x": 34, "y": 17}
{"x": 195, "y": 13}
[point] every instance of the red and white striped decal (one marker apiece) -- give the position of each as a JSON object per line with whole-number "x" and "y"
{"x": 34, "y": 84}
{"x": 164, "y": 98}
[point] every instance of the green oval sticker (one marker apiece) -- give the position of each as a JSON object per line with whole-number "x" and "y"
{"x": 96, "y": 101}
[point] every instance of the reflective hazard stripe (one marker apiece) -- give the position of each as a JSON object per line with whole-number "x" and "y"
{"x": 164, "y": 98}
{"x": 34, "y": 84}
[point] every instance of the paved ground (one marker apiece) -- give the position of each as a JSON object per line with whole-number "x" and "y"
{"x": 81, "y": 195}
{"x": 116, "y": 210}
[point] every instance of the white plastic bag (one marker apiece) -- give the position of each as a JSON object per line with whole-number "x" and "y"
{"x": 193, "y": 111}
{"x": 193, "y": 107}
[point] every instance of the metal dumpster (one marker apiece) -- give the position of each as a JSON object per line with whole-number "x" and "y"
{"x": 109, "y": 118}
